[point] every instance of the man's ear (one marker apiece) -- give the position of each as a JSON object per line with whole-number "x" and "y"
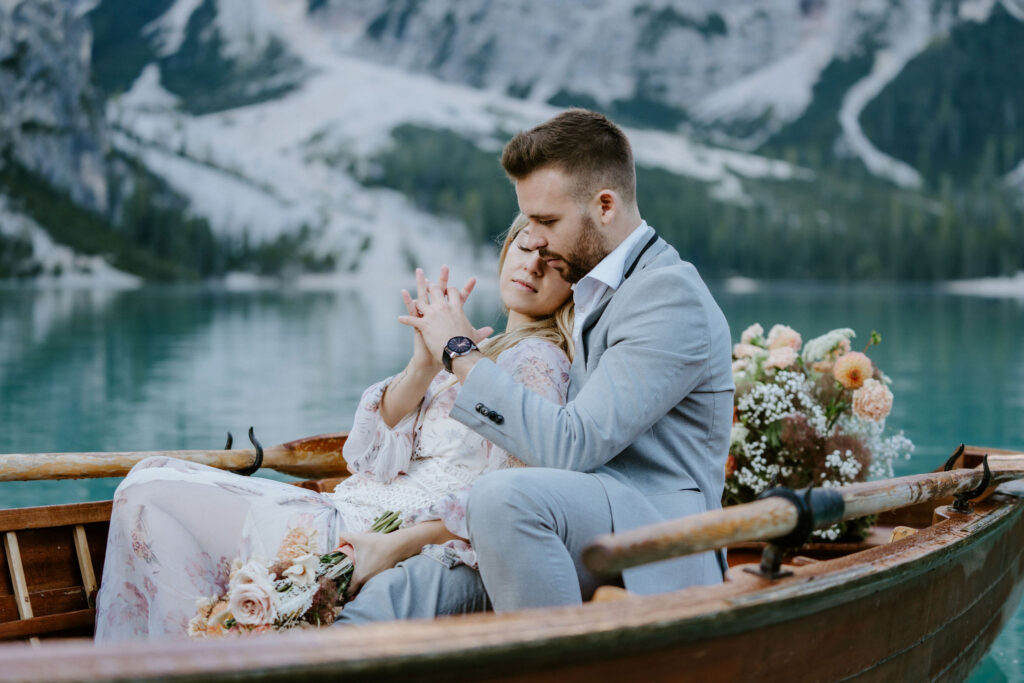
{"x": 607, "y": 204}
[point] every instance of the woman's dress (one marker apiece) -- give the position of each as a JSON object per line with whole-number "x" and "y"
{"x": 176, "y": 526}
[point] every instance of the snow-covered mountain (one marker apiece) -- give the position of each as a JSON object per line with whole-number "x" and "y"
{"x": 267, "y": 116}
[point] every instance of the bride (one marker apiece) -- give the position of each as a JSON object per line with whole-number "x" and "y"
{"x": 176, "y": 525}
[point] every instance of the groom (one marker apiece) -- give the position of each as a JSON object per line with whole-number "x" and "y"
{"x": 644, "y": 434}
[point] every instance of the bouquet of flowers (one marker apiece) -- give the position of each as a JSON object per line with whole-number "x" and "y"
{"x": 810, "y": 417}
{"x": 300, "y": 589}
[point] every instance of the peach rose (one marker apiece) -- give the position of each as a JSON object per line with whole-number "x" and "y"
{"x": 740, "y": 365}
{"x": 780, "y": 358}
{"x": 745, "y": 350}
{"x": 782, "y": 336}
{"x": 852, "y": 369}
{"x": 251, "y": 598}
{"x": 873, "y": 401}
{"x": 753, "y": 332}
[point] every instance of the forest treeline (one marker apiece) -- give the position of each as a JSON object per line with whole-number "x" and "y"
{"x": 149, "y": 232}
{"x": 841, "y": 224}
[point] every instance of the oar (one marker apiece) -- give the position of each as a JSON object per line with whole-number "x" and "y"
{"x": 775, "y": 517}
{"x": 313, "y": 457}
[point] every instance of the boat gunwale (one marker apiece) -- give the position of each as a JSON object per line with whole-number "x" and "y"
{"x": 533, "y": 636}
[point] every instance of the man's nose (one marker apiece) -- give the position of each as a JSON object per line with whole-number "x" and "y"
{"x": 535, "y": 241}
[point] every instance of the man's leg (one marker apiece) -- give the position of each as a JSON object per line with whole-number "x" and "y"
{"x": 417, "y": 588}
{"x": 529, "y": 527}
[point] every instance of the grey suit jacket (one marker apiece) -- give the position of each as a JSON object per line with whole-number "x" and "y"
{"x": 649, "y": 409}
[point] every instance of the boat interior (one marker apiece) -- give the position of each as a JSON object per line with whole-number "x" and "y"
{"x": 53, "y": 556}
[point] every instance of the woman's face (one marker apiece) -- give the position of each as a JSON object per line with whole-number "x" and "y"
{"x": 529, "y": 287}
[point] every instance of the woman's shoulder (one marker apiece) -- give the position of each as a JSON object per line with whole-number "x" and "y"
{"x": 535, "y": 348}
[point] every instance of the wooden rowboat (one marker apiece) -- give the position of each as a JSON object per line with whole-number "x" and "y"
{"x": 923, "y": 604}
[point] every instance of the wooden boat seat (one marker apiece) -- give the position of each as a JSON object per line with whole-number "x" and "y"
{"x": 49, "y": 569}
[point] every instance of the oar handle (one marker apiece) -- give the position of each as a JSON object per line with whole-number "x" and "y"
{"x": 770, "y": 518}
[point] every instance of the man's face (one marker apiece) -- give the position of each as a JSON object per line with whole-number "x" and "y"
{"x": 565, "y": 236}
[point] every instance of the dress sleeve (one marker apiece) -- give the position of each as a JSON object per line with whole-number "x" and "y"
{"x": 373, "y": 448}
{"x": 539, "y": 366}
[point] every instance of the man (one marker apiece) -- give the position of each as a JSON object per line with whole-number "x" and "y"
{"x": 644, "y": 434}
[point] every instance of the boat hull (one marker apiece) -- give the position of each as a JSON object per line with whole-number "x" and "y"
{"x": 923, "y": 608}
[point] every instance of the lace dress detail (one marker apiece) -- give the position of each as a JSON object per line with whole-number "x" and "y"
{"x": 431, "y": 460}
{"x": 176, "y": 525}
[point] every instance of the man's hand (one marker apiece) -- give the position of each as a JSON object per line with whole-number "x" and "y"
{"x": 441, "y": 314}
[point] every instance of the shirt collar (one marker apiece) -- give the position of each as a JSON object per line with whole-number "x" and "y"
{"x": 610, "y": 269}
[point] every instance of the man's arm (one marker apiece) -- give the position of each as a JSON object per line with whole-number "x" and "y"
{"x": 658, "y": 352}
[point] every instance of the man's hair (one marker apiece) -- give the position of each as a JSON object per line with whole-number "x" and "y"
{"x": 584, "y": 145}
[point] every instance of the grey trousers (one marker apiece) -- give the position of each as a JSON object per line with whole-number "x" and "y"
{"x": 529, "y": 527}
{"x": 417, "y": 588}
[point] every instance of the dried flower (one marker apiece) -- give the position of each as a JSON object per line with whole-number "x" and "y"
{"x": 852, "y": 369}
{"x": 873, "y": 401}
{"x": 783, "y": 336}
{"x": 753, "y": 333}
{"x": 303, "y": 570}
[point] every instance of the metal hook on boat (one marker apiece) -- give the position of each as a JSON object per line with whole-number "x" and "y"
{"x": 953, "y": 458}
{"x": 257, "y": 461}
{"x": 816, "y": 509}
{"x": 231, "y": 440}
{"x": 962, "y": 501}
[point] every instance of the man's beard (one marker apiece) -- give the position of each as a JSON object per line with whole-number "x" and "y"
{"x": 588, "y": 251}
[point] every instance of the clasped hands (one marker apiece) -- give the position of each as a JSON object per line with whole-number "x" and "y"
{"x": 437, "y": 315}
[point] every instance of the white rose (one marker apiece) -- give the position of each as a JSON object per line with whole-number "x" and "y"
{"x": 303, "y": 570}
{"x": 251, "y": 598}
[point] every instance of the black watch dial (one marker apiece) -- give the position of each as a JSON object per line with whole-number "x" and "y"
{"x": 460, "y": 345}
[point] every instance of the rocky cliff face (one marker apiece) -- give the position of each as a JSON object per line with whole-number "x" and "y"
{"x": 51, "y": 121}
{"x": 655, "y": 61}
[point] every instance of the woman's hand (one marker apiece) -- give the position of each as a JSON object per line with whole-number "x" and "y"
{"x": 372, "y": 553}
{"x": 422, "y": 358}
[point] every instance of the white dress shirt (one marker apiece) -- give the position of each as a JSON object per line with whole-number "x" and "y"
{"x": 605, "y": 275}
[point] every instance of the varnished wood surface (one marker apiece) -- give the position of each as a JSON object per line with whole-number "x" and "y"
{"x": 311, "y": 457}
{"x": 923, "y": 608}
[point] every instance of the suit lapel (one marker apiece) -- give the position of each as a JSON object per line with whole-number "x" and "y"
{"x": 635, "y": 254}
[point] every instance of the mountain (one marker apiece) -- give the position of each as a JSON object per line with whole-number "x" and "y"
{"x": 360, "y": 138}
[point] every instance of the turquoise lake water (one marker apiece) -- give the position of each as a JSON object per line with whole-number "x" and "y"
{"x": 165, "y": 368}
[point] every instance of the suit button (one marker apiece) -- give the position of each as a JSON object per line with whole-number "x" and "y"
{"x": 495, "y": 417}
{"x": 481, "y": 408}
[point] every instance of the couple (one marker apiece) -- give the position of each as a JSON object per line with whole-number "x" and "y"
{"x": 621, "y": 416}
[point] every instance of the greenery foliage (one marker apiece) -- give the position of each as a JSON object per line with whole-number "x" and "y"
{"x": 844, "y": 224}
{"x": 957, "y": 109}
{"x": 154, "y": 237}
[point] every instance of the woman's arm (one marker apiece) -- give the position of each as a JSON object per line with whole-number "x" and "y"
{"x": 372, "y": 553}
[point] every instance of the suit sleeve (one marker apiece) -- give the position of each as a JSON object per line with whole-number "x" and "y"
{"x": 658, "y": 352}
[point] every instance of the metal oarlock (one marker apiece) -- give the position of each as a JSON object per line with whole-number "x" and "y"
{"x": 816, "y": 508}
{"x": 257, "y": 462}
{"x": 962, "y": 501}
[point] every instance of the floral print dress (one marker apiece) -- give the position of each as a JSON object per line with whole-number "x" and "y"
{"x": 176, "y": 526}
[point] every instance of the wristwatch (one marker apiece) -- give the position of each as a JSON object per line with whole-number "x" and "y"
{"x": 456, "y": 346}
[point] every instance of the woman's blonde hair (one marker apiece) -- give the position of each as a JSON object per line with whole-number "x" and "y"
{"x": 555, "y": 328}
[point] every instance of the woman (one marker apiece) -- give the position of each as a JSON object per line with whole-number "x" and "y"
{"x": 176, "y": 526}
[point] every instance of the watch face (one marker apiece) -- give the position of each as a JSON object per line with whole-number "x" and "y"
{"x": 460, "y": 345}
